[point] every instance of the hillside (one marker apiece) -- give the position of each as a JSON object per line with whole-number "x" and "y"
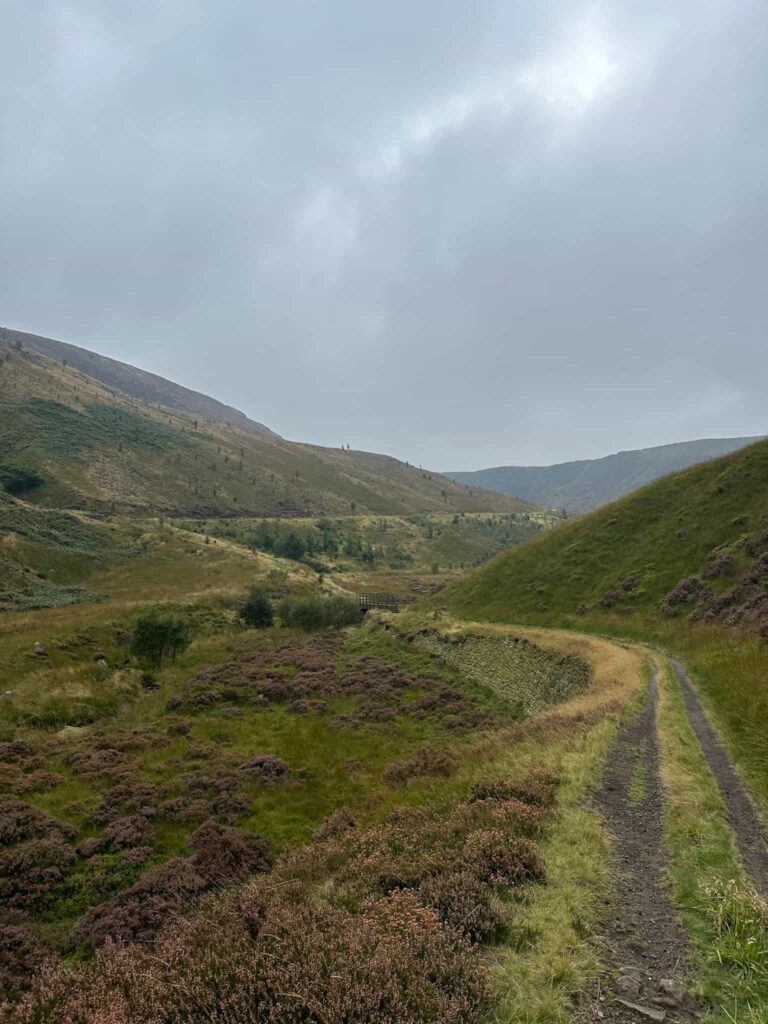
{"x": 130, "y": 380}
{"x": 69, "y": 441}
{"x": 692, "y": 545}
{"x": 587, "y": 484}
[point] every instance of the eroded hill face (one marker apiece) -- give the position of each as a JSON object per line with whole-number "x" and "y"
{"x": 691, "y": 546}
{"x": 69, "y": 441}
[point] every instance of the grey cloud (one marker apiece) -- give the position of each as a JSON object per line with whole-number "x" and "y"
{"x": 463, "y": 234}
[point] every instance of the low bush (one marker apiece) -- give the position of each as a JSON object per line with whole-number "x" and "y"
{"x": 138, "y": 914}
{"x": 424, "y": 761}
{"x": 257, "y": 610}
{"x": 464, "y": 903}
{"x": 21, "y": 954}
{"x": 261, "y": 958}
{"x": 537, "y": 788}
{"x": 498, "y": 858}
{"x": 224, "y": 854}
{"x": 267, "y": 768}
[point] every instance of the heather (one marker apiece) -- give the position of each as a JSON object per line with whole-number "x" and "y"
{"x": 364, "y": 924}
{"x": 202, "y": 778}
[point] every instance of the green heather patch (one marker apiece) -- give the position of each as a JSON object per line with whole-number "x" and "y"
{"x": 725, "y": 917}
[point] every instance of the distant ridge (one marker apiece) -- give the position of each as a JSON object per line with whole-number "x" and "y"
{"x": 691, "y": 545}
{"x": 147, "y": 387}
{"x": 587, "y": 484}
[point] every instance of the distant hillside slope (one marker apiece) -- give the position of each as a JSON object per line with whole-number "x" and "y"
{"x": 692, "y": 544}
{"x": 130, "y": 380}
{"x": 588, "y": 484}
{"x": 69, "y": 441}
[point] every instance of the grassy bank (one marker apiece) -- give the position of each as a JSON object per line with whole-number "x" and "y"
{"x": 727, "y": 921}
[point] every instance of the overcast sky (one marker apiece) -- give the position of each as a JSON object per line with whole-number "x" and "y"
{"x": 465, "y": 234}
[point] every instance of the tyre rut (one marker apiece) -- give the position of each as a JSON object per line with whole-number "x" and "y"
{"x": 645, "y": 946}
{"x": 745, "y": 822}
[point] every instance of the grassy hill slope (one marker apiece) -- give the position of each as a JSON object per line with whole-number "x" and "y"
{"x": 130, "y": 380}
{"x": 68, "y": 441}
{"x": 587, "y": 484}
{"x": 692, "y": 544}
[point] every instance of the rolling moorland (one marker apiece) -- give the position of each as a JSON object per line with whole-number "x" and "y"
{"x": 68, "y": 440}
{"x": 581, "y": 486}
{"x": 500, "y": 804}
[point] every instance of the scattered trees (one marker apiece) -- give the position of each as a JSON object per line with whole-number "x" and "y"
{"x": 313, "y": 613}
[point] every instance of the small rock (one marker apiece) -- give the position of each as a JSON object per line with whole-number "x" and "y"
{"x": 672, "y": 992}
{"x": 649, "y": 1012}
{"x": 628, "y": 984}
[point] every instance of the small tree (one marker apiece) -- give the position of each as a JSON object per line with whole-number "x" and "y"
{"x": 257, "y": 610}
{"x": 342, "y": 611}
{"x": 159, "y": 636}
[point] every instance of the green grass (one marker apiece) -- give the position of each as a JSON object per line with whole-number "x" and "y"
{"x": 537, "y": 978}
{"x": 426, "y": 543}
{"x": 96, "y": 448}
{"x": 662, "y": 534}
{"x": 726, "y": 919}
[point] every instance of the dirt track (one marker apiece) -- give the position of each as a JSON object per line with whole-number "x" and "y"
{"x": 645, "y": 947}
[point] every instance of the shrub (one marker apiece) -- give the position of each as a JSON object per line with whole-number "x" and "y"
{"x": 342, "y": 611}
{"x": 424, "y": 761}
{"x": 497, "y": 857}
{"x": 122, "y": 834}
{"x": 139, "y": 913}
{"x": 687, "y": 591}
{"x": 463, "y": 902}
{"x": 335, "y": 825}
{"x": 267, "y": 768}
{"x": 537, "y": 789}
{"x": 21, "y": 953}
{"x": 224, "y": 854}
{"x": 29, "y": 869}
{"x": 721, "y": 565}
{"x": 257, "y": 610}
{"x": 159, "y": 635}
{"x": 260, "y": 958}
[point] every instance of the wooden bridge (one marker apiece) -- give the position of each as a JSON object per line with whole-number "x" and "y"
{"x": 391, "y": 602}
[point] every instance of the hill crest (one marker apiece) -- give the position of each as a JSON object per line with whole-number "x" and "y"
{"x": 585, "y": 484}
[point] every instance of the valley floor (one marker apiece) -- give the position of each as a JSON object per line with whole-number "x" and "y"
{"x": 558, "y": 805}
